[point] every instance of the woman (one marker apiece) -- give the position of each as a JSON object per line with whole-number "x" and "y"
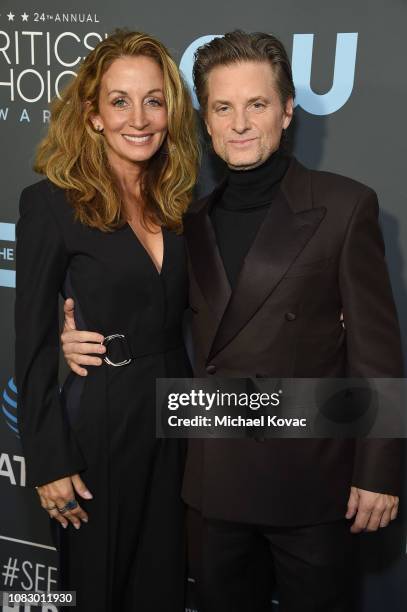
{"x": 120, "y": 159}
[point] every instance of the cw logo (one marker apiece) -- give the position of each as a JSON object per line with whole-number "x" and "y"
{"x": 316, "y": 104}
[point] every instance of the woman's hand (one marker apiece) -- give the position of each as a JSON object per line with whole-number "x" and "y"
{"x": 79, "y": 347}
{"x": 56, "y": 495}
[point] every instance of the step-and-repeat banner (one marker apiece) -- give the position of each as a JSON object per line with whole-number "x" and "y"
{"x": 349, "y": 70}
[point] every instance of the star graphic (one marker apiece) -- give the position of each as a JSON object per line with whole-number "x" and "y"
{"x": 24, "y": 17}
{"x": 10, "y": 16}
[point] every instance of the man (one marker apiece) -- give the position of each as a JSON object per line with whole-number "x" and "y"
{"x": 276, "y": 253}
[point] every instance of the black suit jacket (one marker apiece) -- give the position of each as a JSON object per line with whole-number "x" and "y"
{"x": 319, "y": 253}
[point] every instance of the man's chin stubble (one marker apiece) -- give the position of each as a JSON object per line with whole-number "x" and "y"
{"x": 245, "y": 166}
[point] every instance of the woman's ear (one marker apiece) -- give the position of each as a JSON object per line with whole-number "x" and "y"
{"x": 97, "y": 126}
{"x": 94, "y": 118}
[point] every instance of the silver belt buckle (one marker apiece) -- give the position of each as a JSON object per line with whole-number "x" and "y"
{"x": 106, "y": 341}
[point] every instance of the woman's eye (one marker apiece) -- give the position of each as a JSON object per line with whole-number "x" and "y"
{"x": 120, "y": 102}
{"x": 154, "y": 102}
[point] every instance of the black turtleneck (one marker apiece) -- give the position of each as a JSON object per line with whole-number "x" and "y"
{"x": 240, "y": 211}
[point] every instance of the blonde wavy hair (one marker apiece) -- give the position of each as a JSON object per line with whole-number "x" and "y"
{"x": 73, "y": 154}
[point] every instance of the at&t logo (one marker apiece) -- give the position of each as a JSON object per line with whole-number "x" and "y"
{"x": 9, "y": 406}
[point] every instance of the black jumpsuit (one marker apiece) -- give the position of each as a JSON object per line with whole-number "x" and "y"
{"x": 130, "y": 556}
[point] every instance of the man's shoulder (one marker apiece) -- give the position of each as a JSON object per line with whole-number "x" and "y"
{"x": 198, "y": 203}
{"x": 331, "y": 186}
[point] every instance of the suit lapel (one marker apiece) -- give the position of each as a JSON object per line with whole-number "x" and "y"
{"x": 279, "y": 241}
{"x": 288, "y": 226}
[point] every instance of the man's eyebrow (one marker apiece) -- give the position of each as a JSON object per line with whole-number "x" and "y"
{"x": 253, "y": 99}
{"x": 264, "y": 98}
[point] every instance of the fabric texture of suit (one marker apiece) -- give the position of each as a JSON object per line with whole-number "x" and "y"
{"x": 318, "y": 253}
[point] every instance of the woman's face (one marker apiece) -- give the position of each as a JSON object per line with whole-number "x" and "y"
{"x": 132, "y": 110}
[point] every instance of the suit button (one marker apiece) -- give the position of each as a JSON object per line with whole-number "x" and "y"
{"x": 211, "y": 368}
{"x": 290, "y": 316}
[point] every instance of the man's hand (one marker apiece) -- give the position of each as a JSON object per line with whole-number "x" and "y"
{"x": 78, "y": 346}
{"x": 372, "y": 510}
{"x": 55, "y": 495}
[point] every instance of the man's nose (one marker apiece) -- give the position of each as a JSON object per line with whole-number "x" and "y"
{"x": 240, "y": 122}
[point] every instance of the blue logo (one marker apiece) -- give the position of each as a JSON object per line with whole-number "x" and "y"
{"x": 303, "y": 44}
{"x": 343, "y": 77}
{"x": 7, "y": 234}
{"x": 187, "y": 62}
{"x": 9, "y": 406}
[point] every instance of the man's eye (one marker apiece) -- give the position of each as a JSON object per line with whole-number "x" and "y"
{"x": 120, "y": 102}
{"x": 259, "y": 105}
{"x": 222, "y": 109}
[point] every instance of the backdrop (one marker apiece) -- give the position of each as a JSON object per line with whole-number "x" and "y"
{"x": 349, "y": 69}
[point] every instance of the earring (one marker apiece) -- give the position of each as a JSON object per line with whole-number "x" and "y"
{"x": 99, "y": 128}
{"x": 166, "y": 149}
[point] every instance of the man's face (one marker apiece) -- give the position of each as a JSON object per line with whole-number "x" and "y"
{"x": 244, "y": 116}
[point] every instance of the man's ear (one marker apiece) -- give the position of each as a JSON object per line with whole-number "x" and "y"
{"x": 288, "y": 113}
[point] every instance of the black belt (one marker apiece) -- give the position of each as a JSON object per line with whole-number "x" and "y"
{"x": 121, "y": 349}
